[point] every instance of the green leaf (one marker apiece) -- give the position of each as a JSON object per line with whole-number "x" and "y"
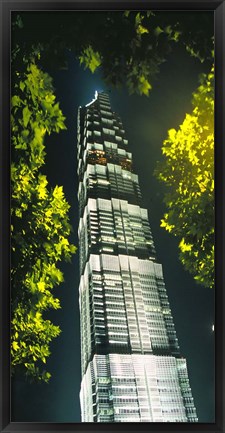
{"x": 22, "y": 85}
{"x": 90, "y": 58}
{"x": 158, "y": 30}
{"x": 16, "y": 101}
{"x": 15, "y": 345}
{"x": 26, "y": 116}
{"x": 126, "y": 14}
{"x": 144, "y": 86}
{"x": 41, "y": 286}
{"x": 141, "y": 30}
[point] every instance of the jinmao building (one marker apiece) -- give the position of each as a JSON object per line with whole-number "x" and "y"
{"x": 132, "y": 370}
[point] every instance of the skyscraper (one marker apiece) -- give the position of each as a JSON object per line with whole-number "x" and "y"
{"x": 132, "y": 369}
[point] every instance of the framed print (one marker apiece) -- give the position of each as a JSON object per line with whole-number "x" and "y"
{"x": 112, "y": 216}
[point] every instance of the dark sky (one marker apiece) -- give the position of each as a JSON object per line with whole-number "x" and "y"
{"x": 146, "y": 122}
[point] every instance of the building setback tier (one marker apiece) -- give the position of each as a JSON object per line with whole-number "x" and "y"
{"x": 137, "y": 388}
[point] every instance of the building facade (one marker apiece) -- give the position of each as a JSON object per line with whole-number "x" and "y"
{"x": 132, "y": 370}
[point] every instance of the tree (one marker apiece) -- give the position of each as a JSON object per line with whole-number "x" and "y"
{"x": 40, "y": 226}
{"x": 188, "y": 174}
{"x": 134, "y": 46}
{"x": 137, "y": 43}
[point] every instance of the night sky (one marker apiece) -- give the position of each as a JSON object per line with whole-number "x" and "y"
{"x": 146, "y": 122}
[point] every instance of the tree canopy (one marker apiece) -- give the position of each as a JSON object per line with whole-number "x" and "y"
{"x": 39, "y": 223}
{"x": 188, "y": 174}
{"x": 128, "y": 46}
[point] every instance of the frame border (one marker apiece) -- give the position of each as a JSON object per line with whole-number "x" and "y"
{"x": 6, "y": 7}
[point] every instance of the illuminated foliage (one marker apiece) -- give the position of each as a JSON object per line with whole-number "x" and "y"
{"x": 39, "y": 223}
{"x": 129, "y": 46}
{"x": 90, "y": 58}
{"x": 188, "y": 173}
{"x": 133, "y": 50}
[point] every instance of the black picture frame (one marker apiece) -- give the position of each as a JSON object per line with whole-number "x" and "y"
{"x": 6, "y": 7}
